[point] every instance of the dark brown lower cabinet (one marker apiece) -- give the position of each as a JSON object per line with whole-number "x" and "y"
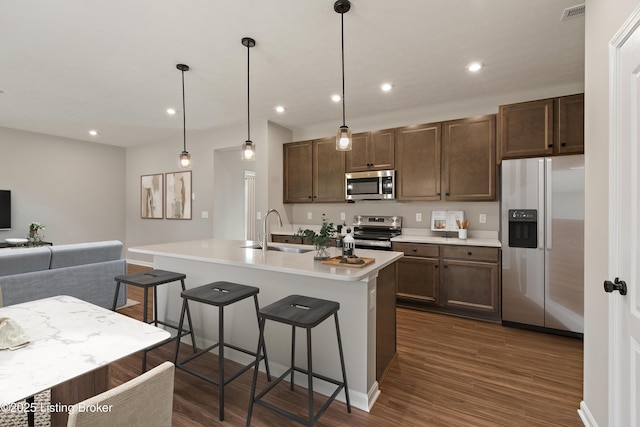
{"x": 452, "y": 279}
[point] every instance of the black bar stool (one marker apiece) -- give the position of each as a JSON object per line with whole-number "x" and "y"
{"x": 303, "y": 312}
{"x": 219, "y": 294}
{"x": 151, "y": 279}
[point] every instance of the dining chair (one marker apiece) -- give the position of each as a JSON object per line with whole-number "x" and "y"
{"x": 145, "y": 401}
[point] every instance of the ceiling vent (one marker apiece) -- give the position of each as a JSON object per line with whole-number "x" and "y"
{"x": 573, "y": 12}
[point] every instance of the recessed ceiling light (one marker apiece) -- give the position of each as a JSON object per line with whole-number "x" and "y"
{"x": 280, "y": 109}
{"x": 386, "y": 87}
{"x": 171, "y": 111}
{"x": 474, "y": 66}
{"x": 93, "y": 132}
{"x": 335, "y": 98}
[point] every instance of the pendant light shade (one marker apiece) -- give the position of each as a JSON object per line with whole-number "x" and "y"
{"x": 343, "y": 137}
{"x": 248, "y": 149}
{"x": 185, "y": 157}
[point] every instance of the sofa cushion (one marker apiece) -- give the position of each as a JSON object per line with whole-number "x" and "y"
{"x": 85, "y": 253}
{"x": 24, "y": 260}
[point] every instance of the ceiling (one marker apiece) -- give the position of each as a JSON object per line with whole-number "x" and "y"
{"x": 73, "y": 65}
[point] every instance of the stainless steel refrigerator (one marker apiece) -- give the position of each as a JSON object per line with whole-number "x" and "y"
{"x": 542, "y": 235}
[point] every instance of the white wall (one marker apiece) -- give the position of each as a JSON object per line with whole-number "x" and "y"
{"x": 228, "y": 211}
{"x": 603, "y": 19}
{"x": 76, "y": 189}
{"x": 162, "y": 157}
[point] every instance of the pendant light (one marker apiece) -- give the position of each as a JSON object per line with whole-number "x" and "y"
{"x": 343, "y": 137}
{"x": 185, "y": 157}
{"x": 248, "y": 149}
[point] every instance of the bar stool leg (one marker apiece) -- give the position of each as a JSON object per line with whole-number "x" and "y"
{"x": 185, "y": 305}
{"x": 221, "y": 358}
{"x": 155, "y": 305}
{"x": 310, "y": 372}
{"x": 264, "y": 349}
{"x": 115, "y": 298}
{"x": 145, "y": 305}
{"x": 193, "y": 338}
{"x": 344, "y": 372}
{"x": 261, "y": 322}
{"x": 293, "y": 353}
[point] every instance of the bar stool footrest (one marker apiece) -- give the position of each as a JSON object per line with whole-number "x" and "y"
{"x": 181, "y": 364}
{"x": 291, "y": 415}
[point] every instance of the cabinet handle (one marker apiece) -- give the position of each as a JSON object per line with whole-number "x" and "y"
{"x": 437, "y": 194}
{"x": 469, "y": 253}
{"x": 564, "y": 144}
{"x": 447, "y": 194}
{"x": 414, "y": 250}
{"x": 310, "y": 197}
{"x": 435, "y": 266}
{"x": 550, "y": 145}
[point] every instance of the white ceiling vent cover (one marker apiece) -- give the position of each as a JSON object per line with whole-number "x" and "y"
{"x": 573, "y": 12}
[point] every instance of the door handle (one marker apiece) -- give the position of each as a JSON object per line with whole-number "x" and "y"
{"x": 616, "y": 285}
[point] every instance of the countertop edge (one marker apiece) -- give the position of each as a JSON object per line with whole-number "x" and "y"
{"x": 366, "y": 271}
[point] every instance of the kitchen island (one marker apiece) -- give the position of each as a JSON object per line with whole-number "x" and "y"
{"x": 366, "y": 296}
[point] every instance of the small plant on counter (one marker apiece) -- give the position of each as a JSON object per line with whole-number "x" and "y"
{"x": 319, "y": 240}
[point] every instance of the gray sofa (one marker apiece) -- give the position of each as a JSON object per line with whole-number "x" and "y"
{"x": 83, "y": 270}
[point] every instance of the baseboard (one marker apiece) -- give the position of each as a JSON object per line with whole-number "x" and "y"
{"x": 141, "y": 263}
{"x": 585, "y": 416}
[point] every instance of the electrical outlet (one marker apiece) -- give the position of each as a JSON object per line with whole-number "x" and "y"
{"x": 372, "y": 299}
{"x": 309, "y": 215}
{"x": 483, "y": 219}
{"x": 193, "y": 196}
{"x": 343, "y": 216}
{"x": 205, "y": 214}
{"x": 419, "y": 217}
{"x": 258, "y": 215}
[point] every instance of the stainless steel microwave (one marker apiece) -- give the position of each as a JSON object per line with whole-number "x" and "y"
{"x": 371, "y": 185}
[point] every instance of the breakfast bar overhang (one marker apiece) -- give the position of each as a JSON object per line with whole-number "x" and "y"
{"x": 366, "y": 296}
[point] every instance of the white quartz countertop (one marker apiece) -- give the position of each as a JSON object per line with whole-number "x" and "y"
{"x": 438, "y": 240}
{"x": 421, "y": 235}
{"x": 235, "y": 252}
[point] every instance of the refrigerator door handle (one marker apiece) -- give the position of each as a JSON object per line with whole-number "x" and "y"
{"x": 541, "y": 197}
{"x": 548, "y": 210}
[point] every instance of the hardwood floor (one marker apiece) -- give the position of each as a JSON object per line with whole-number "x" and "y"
{"x": 449, "y": 372}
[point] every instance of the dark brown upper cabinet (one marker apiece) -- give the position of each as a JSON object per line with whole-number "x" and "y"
{"x": 372, "y": 151}
{"x": 313, "y": 172}
{"x": 418, "y": 162}
{"x": 469, "y": 159}
{"x": 544, "y": 127}
{"x": 570, "y": 124}
{"x": 298, "y": 177}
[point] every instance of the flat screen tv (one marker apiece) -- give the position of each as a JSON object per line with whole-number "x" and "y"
{"x": 5, "y": 209}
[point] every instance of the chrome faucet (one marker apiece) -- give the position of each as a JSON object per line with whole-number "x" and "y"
{"x": 265, "y": 236}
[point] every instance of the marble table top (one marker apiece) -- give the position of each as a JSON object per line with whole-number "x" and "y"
{"x": 68, "y": 337}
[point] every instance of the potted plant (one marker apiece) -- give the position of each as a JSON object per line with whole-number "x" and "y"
{"x": 35, "y": 239}
{"x": 319, "y": 240}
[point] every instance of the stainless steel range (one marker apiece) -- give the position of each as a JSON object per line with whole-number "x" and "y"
{"x": 376, "y": 232}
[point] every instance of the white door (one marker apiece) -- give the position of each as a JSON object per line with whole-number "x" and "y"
{"x": 624, "y": 232}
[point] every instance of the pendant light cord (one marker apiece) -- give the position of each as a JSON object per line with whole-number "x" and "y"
{"x": 248, "y": 116}
{"x": 344, "y": 121}
{"x": 184, "y": 117}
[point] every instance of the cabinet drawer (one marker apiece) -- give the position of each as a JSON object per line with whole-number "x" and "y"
{"x": 475, "y": 253}
{"x": 416, "y": 249}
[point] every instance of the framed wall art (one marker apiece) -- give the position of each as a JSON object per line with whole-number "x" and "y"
{"x": 151, "y": 196}
{"x": 178, "y": 195}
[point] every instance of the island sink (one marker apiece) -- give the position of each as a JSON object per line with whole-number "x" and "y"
{"x": 281, "y": 249}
